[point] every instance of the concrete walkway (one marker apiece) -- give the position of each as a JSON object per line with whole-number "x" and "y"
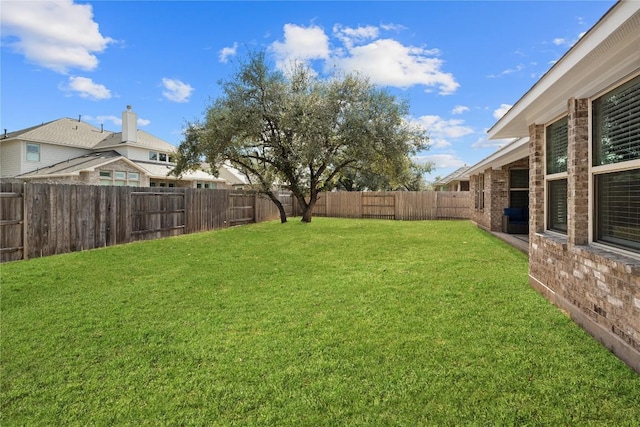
{"x": 519, "y": 241}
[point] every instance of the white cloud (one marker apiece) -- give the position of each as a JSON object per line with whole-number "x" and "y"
{"x": 86, "y": 88}
{"x": 349, "y": 36}
{"x": 301, "y": 44}
{"x": 459, "y": 109}
{"x": 441, "y": 131}
{"x": 385, "y": 61}
{"x": 58, "y": 35}
{"x": 442, "y": 161}
{"x": 388, "y": 62}
{"x": 499, "y": 112}
{"x": 561, "y": 42}
{"x": 175, "y": 90}
{"x": 117, "y": 121}
{"x": 226, "y": 52}
{"x": 508, "y": 71}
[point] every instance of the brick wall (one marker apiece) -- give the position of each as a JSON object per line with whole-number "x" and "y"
{"x": 599, "y": 287}
{"x": 496, "y": 195}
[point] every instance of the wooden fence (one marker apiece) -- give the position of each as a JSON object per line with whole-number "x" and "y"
{"x": 399, "y": 205}
{"x": 44, "y": 219}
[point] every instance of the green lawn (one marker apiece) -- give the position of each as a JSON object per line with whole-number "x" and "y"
{"x": 337, "y": 322}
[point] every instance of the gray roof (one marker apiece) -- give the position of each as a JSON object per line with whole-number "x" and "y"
{"x": 68, "y": 132}
{"x": 145, "y": 140}
{"x": 74, "y": 133}
{"x": 457, "y": 175}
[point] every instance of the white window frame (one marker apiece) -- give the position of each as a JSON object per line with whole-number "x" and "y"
{"x": 119, "y": 178}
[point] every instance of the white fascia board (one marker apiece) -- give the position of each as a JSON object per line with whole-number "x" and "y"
{"x": 516, "y": 150}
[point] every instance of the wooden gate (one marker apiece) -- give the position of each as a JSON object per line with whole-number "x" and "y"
{"x": 155, "y": 214}
{"x": 378, "y": 205}
{"x": 241, "y": 208}
{"x": 11, "y": 222}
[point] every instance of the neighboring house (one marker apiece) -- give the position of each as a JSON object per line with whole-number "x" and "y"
{"x": 577, "y": 130}
{"x": 234, "y": 177}
{"x": 70, "y": 151}
{"x": 458, "y": 180}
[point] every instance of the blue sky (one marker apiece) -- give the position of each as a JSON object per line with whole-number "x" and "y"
{"x": 460, "y": 64}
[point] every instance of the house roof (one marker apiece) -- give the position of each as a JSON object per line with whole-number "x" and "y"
{"x": 515, "y": 150}
{"x": 87, "y": 162}
{"x": 75, "y": 133}
{"x": 65, "y": 131}
{"x": 145, "y": 140}
{"x": 607, "y": 53}
{"x": 457, "y": 175}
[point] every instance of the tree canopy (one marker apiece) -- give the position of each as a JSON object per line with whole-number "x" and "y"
{"x": 303, "y": 133}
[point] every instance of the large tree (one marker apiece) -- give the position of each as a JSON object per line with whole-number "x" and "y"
{"x": 299, "y": 131}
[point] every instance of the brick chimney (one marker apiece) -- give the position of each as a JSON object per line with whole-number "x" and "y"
{"x": 129, "y": 126}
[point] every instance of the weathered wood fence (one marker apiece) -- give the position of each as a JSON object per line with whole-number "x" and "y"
{"x": 45, "y": 219}
{"x": 399, "y": 205}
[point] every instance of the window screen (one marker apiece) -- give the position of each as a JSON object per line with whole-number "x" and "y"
{"x": 616, "y": 125}
{"x": 618, "y": 209}
{"x": 557, "y": 206}
{"x": 557, "y": 140}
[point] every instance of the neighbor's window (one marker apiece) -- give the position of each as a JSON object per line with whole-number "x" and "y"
{"x": 556, "y": 143}
{"x": 105, "y": 178}
{"x": 616, "y": 166}
{"x": 33, "y": 152}
{"x": 162, "y": 157}
{"x": 153, "y": 155}
{"x": 119, "y": 178}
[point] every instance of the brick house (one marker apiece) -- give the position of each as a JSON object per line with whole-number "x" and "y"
{"x": 70, "y": 151}
{"x": 577, "y": 131}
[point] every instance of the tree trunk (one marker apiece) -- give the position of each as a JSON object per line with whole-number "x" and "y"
{"x": 276, "y": 201}
{"x": 307, "y": 210}
{"x": 307, "y": 213}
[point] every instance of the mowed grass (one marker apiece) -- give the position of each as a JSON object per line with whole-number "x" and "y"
{"x": 337, "y": 322}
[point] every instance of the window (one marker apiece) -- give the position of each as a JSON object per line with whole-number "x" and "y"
{"x": 618, "y": 209}
{"x": 162, "y": 157}
{"x": 153, "y": 155}
{"x": 616, "y": 166}
{"x": 119, "y": 178}
{"x": 105, "y": 178}
{"x": 556, "y": 144}
{"x": 616, "y": 125}
{"x": 557, "y": 205}
{"x": 33, "y": 152}
{"x": 519, "y": 188}
{"x": 557, "y": 139}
